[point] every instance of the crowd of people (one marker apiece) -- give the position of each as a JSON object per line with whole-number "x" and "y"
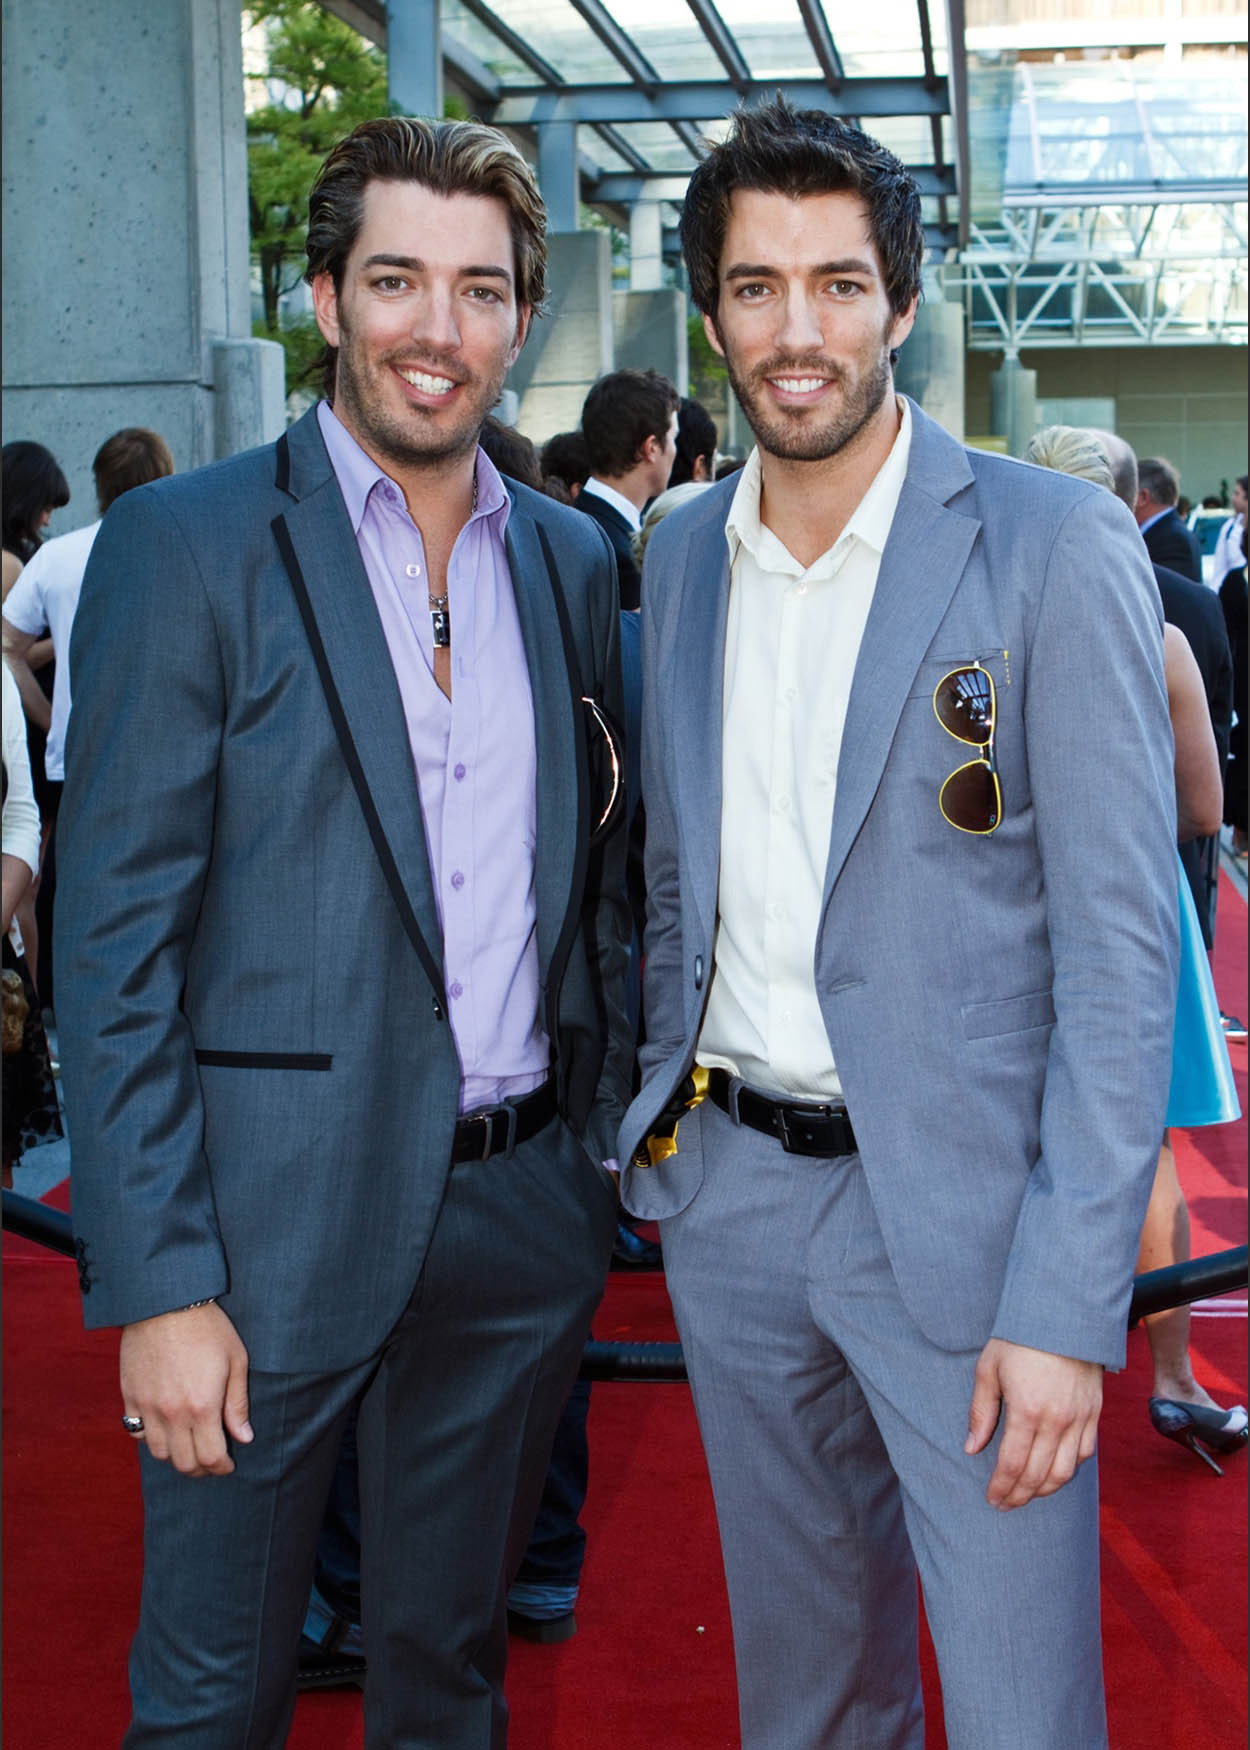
{"x": 499, "y": 847}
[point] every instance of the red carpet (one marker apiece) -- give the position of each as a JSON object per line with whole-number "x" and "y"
{"x": 652, "y": 1665}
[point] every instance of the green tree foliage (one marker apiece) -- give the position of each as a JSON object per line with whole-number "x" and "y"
{"x": 708, "y": 376}
{"x": 320, "y": 80}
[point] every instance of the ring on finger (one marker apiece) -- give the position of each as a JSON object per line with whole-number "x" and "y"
{"x": 133, "y": 1424}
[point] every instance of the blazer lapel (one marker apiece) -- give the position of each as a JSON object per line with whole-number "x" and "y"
{"x": 557, "y": 735}
{"x": 698, "y": 655}
{"x": 922, "y": 564}
{"x": 336, "y": 603}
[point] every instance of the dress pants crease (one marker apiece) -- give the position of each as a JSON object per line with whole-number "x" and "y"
{"x": 834, "y": 1431}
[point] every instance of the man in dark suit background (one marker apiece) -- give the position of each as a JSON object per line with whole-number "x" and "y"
{"x": 1169, "y": 540}
{"x": 343, "y": 938}
{"x": 1195, "y": 611}
{"x": 629, "y": 421}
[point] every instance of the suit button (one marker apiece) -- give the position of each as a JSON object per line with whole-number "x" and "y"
{"x": 698, "y": 972}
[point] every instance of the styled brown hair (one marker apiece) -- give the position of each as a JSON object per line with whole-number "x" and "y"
{"x": 130, "y": 458}
{"x": 447, "y": 157}
{"x": 623, "y": 409}
{"x": 778, "y": 149}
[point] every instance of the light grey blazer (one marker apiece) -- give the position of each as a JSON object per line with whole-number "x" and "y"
{"x": 260, "y": 1077}
{"x": 999, "y": 1008}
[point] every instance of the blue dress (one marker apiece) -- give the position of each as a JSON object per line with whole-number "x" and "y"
{"x": 1202, "y": 1089}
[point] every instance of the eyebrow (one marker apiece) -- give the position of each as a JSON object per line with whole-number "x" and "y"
{"x": 745, "y": 270}
{"x": 414, "y": 264}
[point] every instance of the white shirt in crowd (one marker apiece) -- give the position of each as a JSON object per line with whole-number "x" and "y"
{"x": 1228, "y": 553}
{"x": 21, "y": 814}
{"x": 792, "y": 642}
{"x": 46, "y": 594}
{"x": 628, "y": 509}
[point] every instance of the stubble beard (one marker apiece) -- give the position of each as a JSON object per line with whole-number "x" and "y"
{"x": 413, "y": 439}
{"x": 805, "y": 435}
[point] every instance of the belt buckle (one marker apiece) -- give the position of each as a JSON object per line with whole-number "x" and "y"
{"x": 797, "y": 1144}
{"x": 486, "y": 1120}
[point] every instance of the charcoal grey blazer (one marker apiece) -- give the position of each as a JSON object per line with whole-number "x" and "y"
{"x": 260, "y": 1076}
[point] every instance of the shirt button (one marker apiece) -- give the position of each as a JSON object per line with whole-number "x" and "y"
{"x": 783, "y": 804}
{"x": 786, "y": 1016}
{"x": 457, "y": 879}
{"x": 802, "y": 589}
{"x": 412, "y": 570}
{"x": 458, "y": 773}
{"x": 778, "y": 911}
{"x": 456, "y": 990}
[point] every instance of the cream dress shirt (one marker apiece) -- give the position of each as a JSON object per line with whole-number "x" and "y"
{"x": 791, "y": 645}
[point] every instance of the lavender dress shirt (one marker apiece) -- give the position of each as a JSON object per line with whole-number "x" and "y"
{"x": 475, "y": 760}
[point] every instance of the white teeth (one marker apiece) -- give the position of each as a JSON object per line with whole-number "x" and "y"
{"x": 799, "y": 385}
{"x": 428, "y": 385}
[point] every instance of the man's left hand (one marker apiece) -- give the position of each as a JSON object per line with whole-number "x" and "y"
{"x": 1052, "y": 1404}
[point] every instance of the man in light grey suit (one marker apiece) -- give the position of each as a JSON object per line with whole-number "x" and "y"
{"x": 343, "y": 935}
{"x": 910, "y": 970}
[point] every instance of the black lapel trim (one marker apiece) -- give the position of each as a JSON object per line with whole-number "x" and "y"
{"x": 282, "y": 479}
{"x": 581, "y": 856}
{"x": 339, "y": 718}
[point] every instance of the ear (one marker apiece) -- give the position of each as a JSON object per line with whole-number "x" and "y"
{"x": 524, "y": 317}
{"x": 326, "y": 307}
{"x": 709, "y": 328}
{"x": 903, "y": 323}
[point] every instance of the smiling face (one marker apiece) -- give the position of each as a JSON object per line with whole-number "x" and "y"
{"x": 803, "y": 321}
{"x": 426, "y": 323}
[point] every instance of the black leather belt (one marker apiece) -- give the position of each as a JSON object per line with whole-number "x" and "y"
{"x": 479, "y": 1135}
{"x": 802, "y": 1127}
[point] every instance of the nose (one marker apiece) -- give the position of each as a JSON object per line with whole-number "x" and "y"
{"x": 435, "y": 321}
{"x": 800, "y": 330}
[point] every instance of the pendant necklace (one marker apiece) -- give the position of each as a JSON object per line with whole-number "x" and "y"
{"x": 440, "y": 612}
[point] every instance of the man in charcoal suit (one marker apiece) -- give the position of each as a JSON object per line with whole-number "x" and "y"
{"x": 343, "y": 933}
{"x": 910, "y": 886}
{"x": 629, "y": 421}
{"x": 1169, "y": 539}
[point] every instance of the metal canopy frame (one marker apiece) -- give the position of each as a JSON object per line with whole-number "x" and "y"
{"x": 1123, "y": 218}
{"x": 525, "y": 78}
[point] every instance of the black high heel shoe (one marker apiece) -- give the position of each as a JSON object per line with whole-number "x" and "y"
{"x": 1198, "y": 1426}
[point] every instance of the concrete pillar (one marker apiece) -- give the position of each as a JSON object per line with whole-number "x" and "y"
{"x": 646, "y": 261}
{"x": 931, "y": 362}
{"x": 557, "y": 174}
{"x": 1013, "y": 403}
{"x": 572, "y": 345}
{"x": 414, "y": 57}
{"x": 649, "y": 331}
{"x": 126, "y": 242}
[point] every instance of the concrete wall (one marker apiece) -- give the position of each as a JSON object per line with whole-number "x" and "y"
{"x": 126, "y": 244}
{"x": 649, "y": 333}
{"x": 1184, "y": 402}
{"x": 572, "y": 345}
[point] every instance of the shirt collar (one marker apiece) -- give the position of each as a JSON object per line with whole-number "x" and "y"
{"x": 618, "y": 501}
{"x": 870, "y": 521}
{"x": 1152, "y": 520}
{"x": 358, "y": 474}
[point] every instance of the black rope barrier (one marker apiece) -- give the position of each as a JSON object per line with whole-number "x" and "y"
{"x": 657, "y": 1363}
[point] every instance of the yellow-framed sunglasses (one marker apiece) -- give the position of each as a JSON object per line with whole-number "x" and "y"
{"x": 965, "y": 704}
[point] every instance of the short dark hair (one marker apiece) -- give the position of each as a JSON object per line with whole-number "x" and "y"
{"x": 33, "y": 483}
{"x": 696, "y": 436}
{"x": 448, "y": 157}
{"x": 511, "y": 452}
{"x": 565, "y": 457}
{"x": 624, "y": 409}
{"x": 1159, "y": 480}
{"x": 781, "y": 150}
{"x": 130, "y": 458}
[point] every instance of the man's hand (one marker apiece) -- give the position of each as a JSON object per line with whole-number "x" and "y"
{"x": 185, "y": 1373}
{"x": 1053, "y": 1404}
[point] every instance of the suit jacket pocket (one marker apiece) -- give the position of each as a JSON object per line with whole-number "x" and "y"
{"x": 1036, "y": 1008}
{"x": 265, "y": 1059}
